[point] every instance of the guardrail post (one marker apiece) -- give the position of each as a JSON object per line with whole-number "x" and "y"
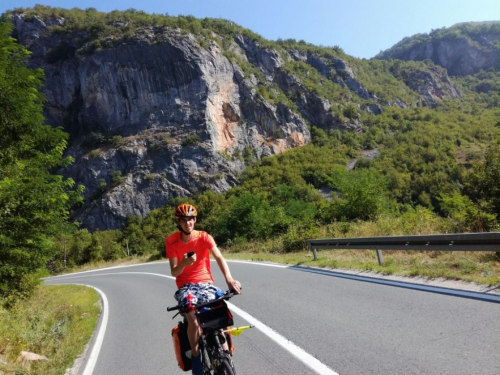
{"x": 315, "y": 254}
{"x": 380, "y": 257}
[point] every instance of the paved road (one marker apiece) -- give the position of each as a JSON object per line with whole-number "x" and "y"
{"x": 308, "y": 323}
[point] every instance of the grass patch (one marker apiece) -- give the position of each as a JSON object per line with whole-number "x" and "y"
{"x": 57, "y": 322}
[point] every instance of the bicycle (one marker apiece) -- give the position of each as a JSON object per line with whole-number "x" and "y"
{"x": 215, "y": 320}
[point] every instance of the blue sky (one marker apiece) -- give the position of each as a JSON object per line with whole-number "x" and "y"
{"x": 362, "y": 28}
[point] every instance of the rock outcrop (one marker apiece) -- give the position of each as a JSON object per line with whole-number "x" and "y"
{"x": 463, "y": 49}
{"x": 153, "y": 118}
{"x": 433, "y": 84}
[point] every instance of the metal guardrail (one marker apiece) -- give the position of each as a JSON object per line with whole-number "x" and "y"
{"x": 438, "y": 242}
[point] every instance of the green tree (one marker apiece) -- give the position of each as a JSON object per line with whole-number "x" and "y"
{"x": 466, "y": 216}
{"x": 361, "y": 194}
{"x": 79, "y": 242}
{"x": 34, "y": 202}
{"x": 483, "y": 183}
{"x": 133, "y": 235}
{"x": 250, "y": 216}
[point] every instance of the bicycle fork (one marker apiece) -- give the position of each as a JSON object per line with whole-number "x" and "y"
{"x": 213, "y": 345}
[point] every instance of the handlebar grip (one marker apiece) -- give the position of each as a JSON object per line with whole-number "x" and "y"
{"x": 173, "y": 308}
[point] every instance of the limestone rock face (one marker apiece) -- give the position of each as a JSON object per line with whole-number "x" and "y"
{"x": 153, "y": 118}
{"x": 163, "y": 113}
{"x": 433, "y": 84}
{"x": 460, "y": 57}
{"x": 463, "y": 49}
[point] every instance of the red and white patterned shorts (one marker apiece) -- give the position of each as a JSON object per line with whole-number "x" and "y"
{"x": 199, "y": 292}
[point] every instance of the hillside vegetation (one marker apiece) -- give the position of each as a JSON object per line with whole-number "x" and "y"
{"x": 440, "y": 165}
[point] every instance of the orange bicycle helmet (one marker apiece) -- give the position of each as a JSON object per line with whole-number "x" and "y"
{"x": 185, "y": 210}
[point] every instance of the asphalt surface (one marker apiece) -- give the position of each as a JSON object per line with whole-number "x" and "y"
{"x": 308, "y": 323}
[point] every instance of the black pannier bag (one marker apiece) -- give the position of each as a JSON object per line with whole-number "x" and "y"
{"x": 215, "y": 316}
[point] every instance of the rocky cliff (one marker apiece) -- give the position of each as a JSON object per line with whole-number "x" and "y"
{"x": 463, "y": 49}
{"x": 164, "y": 113}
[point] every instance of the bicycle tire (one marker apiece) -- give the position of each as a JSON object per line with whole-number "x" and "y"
{"x": 205, "y": 361}
{"x": 225, "y": 368}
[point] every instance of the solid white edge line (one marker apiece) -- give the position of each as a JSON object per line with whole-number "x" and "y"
{"x": 98, "y": 269}
{"x": 257, "y": 263}
{"x": 165, "y": 261}
{"x": 96, "y": 348}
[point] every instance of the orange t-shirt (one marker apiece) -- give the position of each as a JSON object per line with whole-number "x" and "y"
{"x": 201, "y": 244}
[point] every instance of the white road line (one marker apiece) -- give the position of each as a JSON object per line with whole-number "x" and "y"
{"x": 299, "y": 353}
{"x": 306, "y": 358}
{"x": 258, "y": 263}
{"x": 96, "y": 270}
{"x": 94, "y": 354}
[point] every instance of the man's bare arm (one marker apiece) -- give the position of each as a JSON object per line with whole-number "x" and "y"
{"x": 221, "y": 262}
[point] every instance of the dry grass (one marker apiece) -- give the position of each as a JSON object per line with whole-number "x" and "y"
{"x": 478, "y": 267}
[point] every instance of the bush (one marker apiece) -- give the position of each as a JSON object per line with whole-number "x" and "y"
{"x": 467, "y": 216}
{"x": 361, "y": 194}
{"x": 191, "y": 140}
{"x": 295, "y": 238}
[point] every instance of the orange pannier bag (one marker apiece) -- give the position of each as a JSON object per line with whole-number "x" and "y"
{"x": 181, "y": 346}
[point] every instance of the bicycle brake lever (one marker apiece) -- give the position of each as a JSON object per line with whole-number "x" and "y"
{"x": 176, "y": 315}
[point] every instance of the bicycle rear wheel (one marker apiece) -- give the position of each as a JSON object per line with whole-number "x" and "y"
{"x": 225, "y": 368}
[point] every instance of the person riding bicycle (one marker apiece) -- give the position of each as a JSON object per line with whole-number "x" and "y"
{"x": 188, "y": 252}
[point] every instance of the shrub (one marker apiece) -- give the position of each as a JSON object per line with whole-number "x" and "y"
{"x": 191, "y": 140}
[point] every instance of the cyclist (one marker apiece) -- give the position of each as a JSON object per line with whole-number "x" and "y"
{"x": 188, "y": 252}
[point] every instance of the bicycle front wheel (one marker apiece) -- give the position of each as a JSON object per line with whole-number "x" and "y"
{"x": 225, "y": 368}
{"x": 205, "y": 360}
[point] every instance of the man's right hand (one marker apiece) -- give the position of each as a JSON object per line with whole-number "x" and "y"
{"x": 189, "y": 260}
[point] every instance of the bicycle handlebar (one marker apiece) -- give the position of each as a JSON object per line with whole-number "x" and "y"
{"x": 227, "y": 295}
